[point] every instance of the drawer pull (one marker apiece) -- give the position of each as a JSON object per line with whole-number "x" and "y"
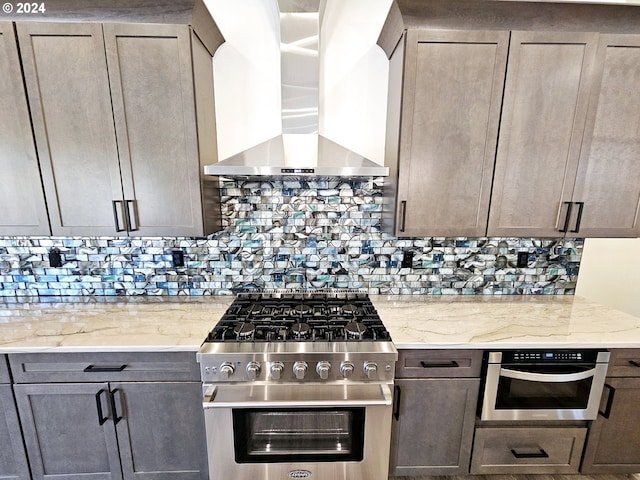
{"x": 609, "y": 405}
{"x": 634, "y": 363}
{"x": 579, "y": 220}
{"x": 396, "y": 401}
{"x": 101, "y": 417}
{"x": 99, "y": 369}
{"x": 451, "y": 364}
{"x": 112, "y": 397}
{"x": 540, "y": 454}
{"x": 565, "y": 228}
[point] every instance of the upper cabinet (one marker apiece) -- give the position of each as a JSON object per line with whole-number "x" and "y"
{"x": 451, "y": 110}
{"x": 73, "y": 125}
{"x": 22, "y": 206}
{"x": 116, "y": 127}
{"x": 545, "y": 103}
{"x": 549, "y": 149}
{"x": 106, "y": 122}
{"x": 608, "y": 178}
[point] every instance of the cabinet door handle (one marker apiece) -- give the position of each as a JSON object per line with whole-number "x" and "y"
{"x": 98, "y": 369}
{"x": 634, "y": 363}
{"x": 101, "y": 417}
{"x": 567, "y": 218}
{"x": 451, "y": 364}
{"x": 403, "y": 215}
{"x": 396, "y": 401}
{"x": 609, "y": 405}
{"x": 132, "y": 226}
{"x": 539, "y": 454}
{"x": 116, "y": 217}
{"x": 112, "y": 398}
{"x": 579, "y": 219}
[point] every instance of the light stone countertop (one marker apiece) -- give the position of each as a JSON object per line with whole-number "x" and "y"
{"x": 484, "y": 322}
{"x": 182, "y": 323}
{"x": 109, "y": 323}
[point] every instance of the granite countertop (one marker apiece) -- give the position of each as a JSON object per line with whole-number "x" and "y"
{"x": 182, "y": 323}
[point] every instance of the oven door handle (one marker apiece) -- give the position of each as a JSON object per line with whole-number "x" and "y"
{"x": 545, "y": 377}
{"x": 286, "y": 396}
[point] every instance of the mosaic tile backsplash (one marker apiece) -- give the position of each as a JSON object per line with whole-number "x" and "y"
{"x": 290, "y": 234}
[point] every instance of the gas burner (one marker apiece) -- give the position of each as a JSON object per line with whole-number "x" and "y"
{"x": 349, "y": 308}
{"x": 355, "y": 329}
{"x": 300, "y": 330}
{"x": 302, "y": 309}
{"x": 244, "y": 329}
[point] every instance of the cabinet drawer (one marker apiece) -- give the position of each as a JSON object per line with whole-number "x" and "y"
{"x": 438, "y": 363}
{"x": 4, "y": 370}
{"x": 103, "y": 367}
{"x": 620, "y": 363}
{"x": 527, "y": 450}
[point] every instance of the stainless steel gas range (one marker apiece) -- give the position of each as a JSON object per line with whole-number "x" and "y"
{"x": 298, "y": 385}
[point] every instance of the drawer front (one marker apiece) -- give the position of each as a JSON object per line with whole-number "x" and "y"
{"x": 104, "y": 367}
{"x": 527, "y": 450}
{"x": 4, "y": 370}
{"x": 624, "y": 362}
{"x": 438, "y": 363}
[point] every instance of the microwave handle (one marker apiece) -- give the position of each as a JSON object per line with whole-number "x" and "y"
{"x": 545, "y": 377}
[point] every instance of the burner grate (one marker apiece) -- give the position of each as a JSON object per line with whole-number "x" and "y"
{"x": 300, "y": 317}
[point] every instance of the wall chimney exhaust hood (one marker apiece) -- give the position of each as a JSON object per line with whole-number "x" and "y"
{"x": 300, "y": 150}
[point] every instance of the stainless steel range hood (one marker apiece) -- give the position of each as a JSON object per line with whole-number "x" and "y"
{"x": 300, "y": 150}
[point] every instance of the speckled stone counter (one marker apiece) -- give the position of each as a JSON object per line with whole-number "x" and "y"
{"x": 182, "y": 323}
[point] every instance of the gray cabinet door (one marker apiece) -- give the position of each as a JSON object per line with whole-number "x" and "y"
{"x": 13, "y": 460}
{"x": 450, "y": 113}
{"x": 150, "y": 71}
{"x": 613, "y": 442}
{"x": 545, "y": 103}
{"x": 433, "y": 432}
{"x": 22, "y": 207}
{"x": 161, "y": 436}
{"x": 63, "y": 434}
{"x": 608, "y": 179}
{"x": 68, "y": 87}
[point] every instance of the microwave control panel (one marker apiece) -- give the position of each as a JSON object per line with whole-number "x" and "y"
{"x": 549, "y": 356}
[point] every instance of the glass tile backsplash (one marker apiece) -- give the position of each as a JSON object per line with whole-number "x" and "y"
{"x": 291, "y": 234}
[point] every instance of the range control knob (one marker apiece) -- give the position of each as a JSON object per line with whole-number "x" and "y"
{"x": 253, "y": 370}
{"x": 323, "y": 368}
{"x": 371, "y": 370}
{"x": 226, "y": 370}
{"x": 300, "y": 369}
{"x": 276, "y": 370}
{"x": 346, "y": 369}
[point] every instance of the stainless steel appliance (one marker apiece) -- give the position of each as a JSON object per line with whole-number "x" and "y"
{"x": 544, "y": 384}
{"x": 300, "y": 151}
{"x": 298, "y": 385}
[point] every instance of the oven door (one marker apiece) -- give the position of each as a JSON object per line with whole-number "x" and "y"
{"x": 298, "y": 431}
{"x": 543, "y": 392}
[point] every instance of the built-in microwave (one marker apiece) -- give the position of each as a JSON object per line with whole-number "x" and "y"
{"x": 543, "y": 384}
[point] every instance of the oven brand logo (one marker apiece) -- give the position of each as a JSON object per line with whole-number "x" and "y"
{"x": 300, "y": 474}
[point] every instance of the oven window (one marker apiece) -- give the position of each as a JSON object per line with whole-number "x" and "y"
{"x": 526, "y": 394}
{"x": 295, "y": 435}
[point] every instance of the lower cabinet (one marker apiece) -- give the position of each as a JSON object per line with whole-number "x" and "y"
{"x": 614, "y": 436}
{"x": 434, "y": 415}
{"x": 13, "y": 460}
{"x": 111, "y": 429}
{"x": 527, "y": 450}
